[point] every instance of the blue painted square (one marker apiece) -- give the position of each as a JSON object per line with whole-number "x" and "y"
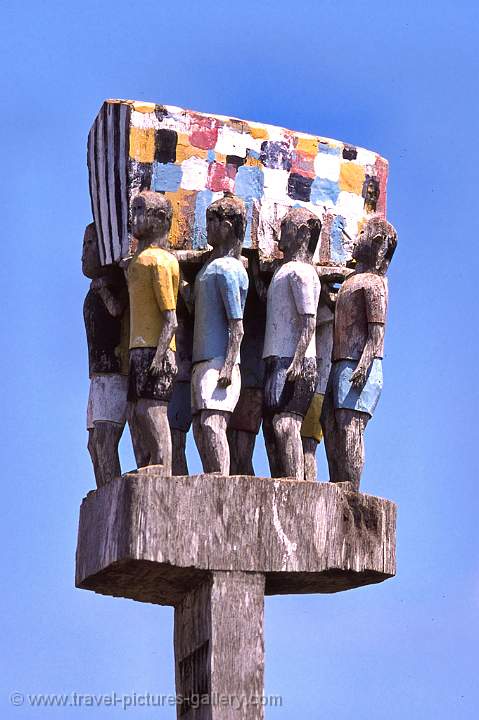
{"x": 328, "y": 149}
{"x": 166, "y": 177}
{"x": 203, "y": 199}
{"x": 338, "y": 254}
{"x": 249, "y": 182}
{"x": 323, "y": 190}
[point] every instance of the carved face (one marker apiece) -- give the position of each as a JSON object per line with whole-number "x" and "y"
{"x": 292, "y": 237}
{"x": 220, "y": 229}
{"x": 149, "y": 216}
{"x": 139, "y": 220}
{"x": 371, "y": 248}
{"x": 90, "y": 259}
{"x": 361, "y": 252}
{"x": 213, "y": 228}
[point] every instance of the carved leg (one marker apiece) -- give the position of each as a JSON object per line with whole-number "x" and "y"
{"x": 330, "y": 433}
{"x": 351, "y": 425}
{"x": 274, "y": 459}
{"x": 151, "y": 423}
{"x": 140, "y": 448}
{"x": 219, "y": 648}
{"x": 178, "y": 444}
{"x": 213, "y": 444}
{"x": 287, "y": 430}
{"x": 103, "y": 446}
{"x": 309, "y": 452}
{"x": 241, "y": 444}
{"x": 92, "y": 450}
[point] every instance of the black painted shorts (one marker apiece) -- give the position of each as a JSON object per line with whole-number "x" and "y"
{"x": 281, "y": 395}
{"x": 143, "y": 385}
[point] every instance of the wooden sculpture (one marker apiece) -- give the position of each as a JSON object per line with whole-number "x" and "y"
{"x": 219, "y": 298}
{"x": 356, "y": 377}
{"x": 105, "y": 313}
{"x": 153, "y": 279}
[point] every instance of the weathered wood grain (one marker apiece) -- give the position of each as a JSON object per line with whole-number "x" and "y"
{"x": 219, "y": 648}
{"x": 154, "y": 538}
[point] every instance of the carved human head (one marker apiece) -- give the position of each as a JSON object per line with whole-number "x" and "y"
{"x": 300, "y": 231}
{"x": 90, "y": 259}
{"x": 151, "y": 215}
{"x": 376, "y": 245}
{"x": 226, "y": 221}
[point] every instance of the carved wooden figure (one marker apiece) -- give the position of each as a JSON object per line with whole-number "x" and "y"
{"x": 106, "y": 321}
{"x": 311, "y": 431}
{"x": 153, "y": 279}
{"x": 245, "y": 422}
{"x": 356, "y": 378}
{"x": 290, "y": 344}
{"x": 179, "y": 407}
{"x": 219, "y": 297}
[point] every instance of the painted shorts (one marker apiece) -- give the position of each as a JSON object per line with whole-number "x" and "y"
{"x": 248, "y": 413}
{"x": 107, "y": 399}
{"x": 205, "y": 393}
{"x": 346, "y": 396}
{"x": 281, "y": 395}
{"x": 143, "y": 385}
{"x": 179, "y": 407}
{"x": 311, "y": 427}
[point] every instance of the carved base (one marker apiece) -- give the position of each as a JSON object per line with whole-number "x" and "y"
{"x": 155, "y": 539}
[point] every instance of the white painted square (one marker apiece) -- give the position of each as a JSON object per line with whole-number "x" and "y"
{"x": 195, "y": 174}
{"x": 327, "y": 166}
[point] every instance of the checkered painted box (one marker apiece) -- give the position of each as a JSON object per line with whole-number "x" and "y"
{"x": 194, "y": 158}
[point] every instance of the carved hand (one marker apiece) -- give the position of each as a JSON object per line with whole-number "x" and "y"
{"x": 358, "y": 378}
{"x": 156, "y": 366}
{"x": 225, "y": 376}
{"x": 294, "y": 370}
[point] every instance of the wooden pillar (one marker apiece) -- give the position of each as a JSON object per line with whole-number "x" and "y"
{"x": 219, "y": 648}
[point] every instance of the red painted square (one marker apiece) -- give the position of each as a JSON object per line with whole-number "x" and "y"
{"x": 221, "y": 177}
{"x": 204, "y": 132}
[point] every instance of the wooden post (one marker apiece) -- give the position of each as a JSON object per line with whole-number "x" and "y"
{"x": 219, "y": 649}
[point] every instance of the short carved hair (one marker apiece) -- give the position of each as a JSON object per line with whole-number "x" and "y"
{"x": 301, "y": 216}
{"x": 378, "y": 227}
{"x": 157, "y": 205}
{"x": 233, "y": 208}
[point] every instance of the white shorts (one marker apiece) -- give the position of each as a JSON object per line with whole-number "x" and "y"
{"x": 107, "y": 399}
{"x": 205, "y": 393}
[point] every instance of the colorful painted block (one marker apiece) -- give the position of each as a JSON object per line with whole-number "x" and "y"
{"x": 194, "y": 158}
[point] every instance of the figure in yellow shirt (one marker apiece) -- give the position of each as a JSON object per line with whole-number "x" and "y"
{"x": 153, "y": 278}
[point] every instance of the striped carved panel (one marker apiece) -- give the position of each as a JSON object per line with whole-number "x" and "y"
{"x": 108, "y": 148}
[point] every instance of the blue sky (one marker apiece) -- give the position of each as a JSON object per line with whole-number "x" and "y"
{"x": 396, "y": 77}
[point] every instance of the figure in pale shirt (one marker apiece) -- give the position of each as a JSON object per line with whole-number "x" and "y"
{"x": 219, "y": 298}
{"x": 290, "y": 343}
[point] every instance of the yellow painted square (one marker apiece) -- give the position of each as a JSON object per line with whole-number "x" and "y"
{"x": 258, "y": 133}
{"x": 142, "y": 144}
{"x": 351, "y": 177}
{"x": 183, "y": 205}
{"x": 144, "y": 107}
{"x": 307, "y": 145}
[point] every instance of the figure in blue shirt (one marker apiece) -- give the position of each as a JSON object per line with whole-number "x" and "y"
{"x": 219, "y": 298}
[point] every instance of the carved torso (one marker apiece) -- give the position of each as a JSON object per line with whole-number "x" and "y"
{"x": 362, "y": 299}
{"x": 106, "y": 337}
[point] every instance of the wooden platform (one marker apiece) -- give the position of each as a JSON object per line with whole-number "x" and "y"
{"x": 154, "y": 539}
